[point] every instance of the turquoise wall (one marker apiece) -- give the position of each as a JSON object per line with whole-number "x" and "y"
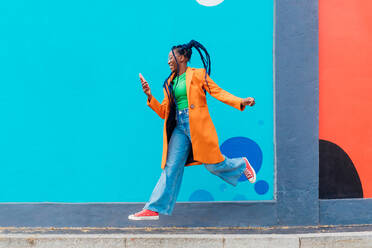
{"x": 74, "y": 123}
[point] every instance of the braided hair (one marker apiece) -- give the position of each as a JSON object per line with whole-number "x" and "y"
{"x": 186, "y": 50}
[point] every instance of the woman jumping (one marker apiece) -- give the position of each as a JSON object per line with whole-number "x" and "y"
{"x": 189, "y": 136}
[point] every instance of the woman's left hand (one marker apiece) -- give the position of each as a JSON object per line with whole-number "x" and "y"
{"x": 248, "y": 101}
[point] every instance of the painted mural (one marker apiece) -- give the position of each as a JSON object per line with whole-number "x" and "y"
{"x": 345, "y": 76}
{"x": 75, "y": 126}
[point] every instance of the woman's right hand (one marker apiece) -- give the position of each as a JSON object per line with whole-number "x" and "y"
{"x": 145, "y": 86}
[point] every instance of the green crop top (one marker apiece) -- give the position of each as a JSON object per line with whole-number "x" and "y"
{"x": 180, "y": 93}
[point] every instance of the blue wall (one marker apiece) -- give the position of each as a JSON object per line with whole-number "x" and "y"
{"x": 75, "y": 126}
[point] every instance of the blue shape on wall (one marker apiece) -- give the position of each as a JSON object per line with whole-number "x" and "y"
{"x": 201, "y": 195}
{"x": 261, "y": 187}
{"x": 243, "y": 147}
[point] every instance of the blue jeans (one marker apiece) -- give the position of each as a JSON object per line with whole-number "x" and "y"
{"x": 164, "y": 195}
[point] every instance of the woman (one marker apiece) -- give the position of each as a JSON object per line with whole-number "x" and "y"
{"x": 189, "y": 136}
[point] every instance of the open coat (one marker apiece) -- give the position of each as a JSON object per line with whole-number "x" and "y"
{"x": 204, "y": 140}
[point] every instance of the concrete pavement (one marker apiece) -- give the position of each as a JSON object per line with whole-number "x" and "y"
{"x": 288, "y": 237}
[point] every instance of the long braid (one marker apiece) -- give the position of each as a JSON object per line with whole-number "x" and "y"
{"x": 171, "y": 96}
{"x": 177, "y": 70}
{"x": 167, "y": 89}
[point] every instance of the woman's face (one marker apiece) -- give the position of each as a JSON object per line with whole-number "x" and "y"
{"x": 172, "y": 62}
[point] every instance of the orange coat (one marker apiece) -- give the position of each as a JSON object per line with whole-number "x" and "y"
{"x": 204, "y": 140}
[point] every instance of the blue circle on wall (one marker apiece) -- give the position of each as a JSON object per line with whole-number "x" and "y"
{"x": 201, "y": 195}
{"x": 243, "y": 147}
{"x": 261, "y": 187}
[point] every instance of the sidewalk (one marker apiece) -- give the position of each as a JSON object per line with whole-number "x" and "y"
{"x": 288, "y": 237}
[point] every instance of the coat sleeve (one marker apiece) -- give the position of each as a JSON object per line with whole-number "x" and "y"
{"x": 218, "y": 93}
{"x": 159, "y": 108}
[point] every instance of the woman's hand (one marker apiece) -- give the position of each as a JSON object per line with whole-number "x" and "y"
{"x": 248, "y": 101}
{"x": 145, "y": 86}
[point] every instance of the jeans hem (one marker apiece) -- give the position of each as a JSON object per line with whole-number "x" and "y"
{"x": 156, "y": 210}
{"x": 240, "y": 174}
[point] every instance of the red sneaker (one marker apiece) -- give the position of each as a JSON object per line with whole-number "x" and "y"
{"x": 144, "y": 215}
{"x": 249, "y": 171}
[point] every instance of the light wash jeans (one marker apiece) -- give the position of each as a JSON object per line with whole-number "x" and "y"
{"x": 164, "y": 195}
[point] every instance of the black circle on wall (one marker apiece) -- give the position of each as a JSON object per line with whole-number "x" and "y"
{"x": 338, "y": 177}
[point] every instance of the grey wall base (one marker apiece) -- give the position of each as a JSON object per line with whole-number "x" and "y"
{"x": 345, "y": 211}
{"x": 116, "y": 215}
{"x": 255, "y": 214}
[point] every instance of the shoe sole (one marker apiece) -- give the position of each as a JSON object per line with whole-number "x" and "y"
{"x": 254, "y": 173}
{"x": 132, "y": 217}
